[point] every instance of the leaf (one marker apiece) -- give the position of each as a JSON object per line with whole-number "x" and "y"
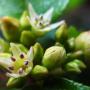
{"x": 74, "y": 4}
{"x": 66, "y": 84}
{"x": 12, "y": 7}
{"x": 9, "y": 89}
{"x": 16, "y": 7}
{"x": 43, "y": 5}
{"x": 72, "y": 85}
{"x": 72, "y": 32}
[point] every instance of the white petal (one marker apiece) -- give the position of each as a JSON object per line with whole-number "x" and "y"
{"x": 5, "y": 61}
{"x": 15, "y": 50}
{"x": 48, "y": 15}
{"x": 30, "y": 54}
{"x": 32, "y": 13}
{"x": 28, "y": 70}
{"x": 15, "y": 75}
{"x": 31, "y": 22}
{"x": 53, "y": 26}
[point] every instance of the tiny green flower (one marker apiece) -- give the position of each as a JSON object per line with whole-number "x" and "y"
{"x": 41, "y": 23}
{"x": 19, "y": 64}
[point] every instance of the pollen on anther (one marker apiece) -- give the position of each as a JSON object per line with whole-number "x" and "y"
{"x": 11, "y": 68}
{"x": 20, "y": 71}
{"x": 26, "y": 63}
{"x": 13, "y": 59}
{"x": 22, "y": 55}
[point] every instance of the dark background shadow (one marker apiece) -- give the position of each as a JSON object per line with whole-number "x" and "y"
{"x": 80, "y": 17}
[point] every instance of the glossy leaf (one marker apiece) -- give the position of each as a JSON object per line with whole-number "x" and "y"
{"x": 11, "y": 7}
{"x": 72, "y": 32}
{"x": 16, "y": 7}
{"x": 66, "y": 84}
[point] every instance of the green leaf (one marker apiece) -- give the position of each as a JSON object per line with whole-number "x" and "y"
{"x": 43, "y": 5}
{"x": 74, "y": 4}
{"x": 12, "y": 7}
{"x": 9, "y": 89}
{"x": 16, "y": 7}
{"x": 66, "y": 84}
{"x": 72, "y": 32}
{"x": 72, "y": 85}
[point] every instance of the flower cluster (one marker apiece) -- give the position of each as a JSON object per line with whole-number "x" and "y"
{"x": 39, "y": 62}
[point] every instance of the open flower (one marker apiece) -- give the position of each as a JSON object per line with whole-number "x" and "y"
{"x": 18, "y": 64}
{"x": 41, "y": 22}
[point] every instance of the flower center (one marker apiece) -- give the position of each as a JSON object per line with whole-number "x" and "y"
{"x": 40, "y": 22}
{"x": 20, "y": 65}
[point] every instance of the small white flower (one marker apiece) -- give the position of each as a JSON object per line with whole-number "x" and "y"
{"x": 42, "y": 22}
{"x": 19, "y": 64}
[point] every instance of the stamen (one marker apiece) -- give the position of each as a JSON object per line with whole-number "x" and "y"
{"x": 26, "y": 63}
{"x": 20, "y": 71}
{"x": 21, "y": 55}
{"x": 40, "y": 24}
{"x": 36, "y": 19}
{"x": 11, "y": 68}
{"x": 41, "y": 17}
{"x": 13, "y": 59}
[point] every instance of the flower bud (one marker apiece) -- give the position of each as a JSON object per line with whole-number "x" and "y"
{"x": 82, "y": 42}
{"x": 4, "y": 46}
{"x": 21, "y": 47}
{"x": 15, "y": 82}
{"x": 57, "y": 72}
{"x": 27, "y": 38}
{"x": 61, "y": 33}
{"x": 10, "y": 28}
{"x": 58, "y": 44}
{"x": 24, "y": 22}
{"x": 54, "y": 57}
{"x": 71, "y": 43}
{"x": 38, "y": 53}
{"x": 39, "y": 71}
{"x": 75, "y": 66}
{"x": 74, "y": 55}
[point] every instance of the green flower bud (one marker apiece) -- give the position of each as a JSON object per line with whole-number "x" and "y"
{"x": 58, "y": 44}
{"x": 54, "y": 57}
{"x": 71, "y": 43}
{"x": 38, "y": 53}
{"x": 10, "y": 28}
{"x": 75, "y": 66}
{"x": 73, "y": 55}
{"x": 15, "y": 82}
{"x": 24, "y": 22}
{"x": 39, "y": 71}
{"x": 82, "y": 42}
{"x": 61, "y": 33}
{"x": 57, "y": 72}
{"x": 27, "y": 38}
{"x": 4, "y": 46}
{"x": 21, "y": 47}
